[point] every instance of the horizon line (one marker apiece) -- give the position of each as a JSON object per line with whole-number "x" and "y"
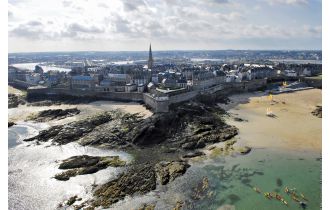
{"x": 69, "y": 51}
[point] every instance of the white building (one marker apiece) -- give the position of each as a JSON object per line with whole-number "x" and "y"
{"x": 33, "y": 78}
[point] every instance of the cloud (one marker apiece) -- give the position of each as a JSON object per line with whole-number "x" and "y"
{"x": 76, "y": 27}
{"x": 66, "y": 3}
{"x": 170, "y": 21}
{"x": 132, "y": 5}
{"x": 288, "y": 2}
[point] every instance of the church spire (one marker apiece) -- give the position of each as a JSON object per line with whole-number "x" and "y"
{"x": 150, "y": 60}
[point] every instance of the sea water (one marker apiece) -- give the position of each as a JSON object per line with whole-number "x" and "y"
{"x": 31, "y": 168}
{"x": 231, "y": 180}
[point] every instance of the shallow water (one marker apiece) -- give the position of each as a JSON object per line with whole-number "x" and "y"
{"x": 232, "y": 179}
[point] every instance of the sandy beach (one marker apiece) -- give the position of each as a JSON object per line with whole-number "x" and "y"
{"x": 23, "y": 111}
{"x": 292, "y": 128}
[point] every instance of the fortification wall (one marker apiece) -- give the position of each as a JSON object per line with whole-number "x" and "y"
{"x": 122, "y": 96}
{"x": 157, "y": 104}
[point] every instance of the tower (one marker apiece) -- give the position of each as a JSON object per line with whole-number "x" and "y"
{"x": 150, "y": 60}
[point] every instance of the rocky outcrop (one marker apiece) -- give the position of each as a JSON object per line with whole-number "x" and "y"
{"x": 52, "y": 114}
{"x": 84, "y": 164}
{"x": 193, "y": 154}
{"x": 10, "y": 124}
{"x": 147, "y": 206}
{"x": 15, "y": 100}
{"x": 317, "y": 112}
{"x": 169, "y": 171}
{"x": 157, "y": 142}
{"x": 244, "y": 150}
{"x": 140, "y": 179}
{"x": 63, "y": 134}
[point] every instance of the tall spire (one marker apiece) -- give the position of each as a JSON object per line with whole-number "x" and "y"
{"x": 150, "y": 60}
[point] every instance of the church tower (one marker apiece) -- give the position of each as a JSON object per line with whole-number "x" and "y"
{"x": 150, "y": 60}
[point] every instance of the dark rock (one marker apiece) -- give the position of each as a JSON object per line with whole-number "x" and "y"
{"x": 71, "y": 200}
{"x": 169, "y": 171}
{"x": 79, "y": 161}
{"x": 245, "y": 150}
{"x": 84, "y": 164}
{"x": 11, "y": 124}
{"x": 63, "y": 134}
{"x": 15, "y": 100}
{"x": 140, "y": 179}
{"x": 317, "y": 112}
{"x": 200, "y": 144}
{"x": 52, "y": 114}
{"x": 189, "y": 145}
{"x": 237, "y": 119}
{"x": 147, "y": 206}
{"x": 193, "y": 154}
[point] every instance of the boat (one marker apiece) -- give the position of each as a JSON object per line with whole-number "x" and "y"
{"x": 303, "y": 197}
{"x": 295, "y": 198}
{"x": 286, "y": 189}
{"x": 278, "y": 197}
{"x": 257, "y": 190}
{"x": 268, "y": 195}
{"x": 284, "y": 202}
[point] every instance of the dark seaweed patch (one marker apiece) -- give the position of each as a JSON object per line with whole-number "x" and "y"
{"x": 279, "y": 182}
{"x": 233, "y": 198}
{"x": 222, "y": 201}
{"x": 259, "y": 173}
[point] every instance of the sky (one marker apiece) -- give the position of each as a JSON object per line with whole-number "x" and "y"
{"x": 129, "y": 25}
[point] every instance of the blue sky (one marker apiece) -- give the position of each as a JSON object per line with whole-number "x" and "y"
{"x": 74, "y": 25}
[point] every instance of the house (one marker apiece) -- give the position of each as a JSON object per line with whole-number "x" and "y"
{"x": 33, "y": 78}
{"x": 169, "y": 83}
{"x": 182, "y": 82}
{"x": 307, "y": 72}
{"x": 82, "y": 82}
{"x": 130, "y": 87}
{"x": 140, "y": 88}
{"x": 261, "y": 73}
{"x": 290, "y": 73}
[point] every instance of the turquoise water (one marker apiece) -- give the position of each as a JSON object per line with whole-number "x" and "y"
{"x": 231, "y": 180}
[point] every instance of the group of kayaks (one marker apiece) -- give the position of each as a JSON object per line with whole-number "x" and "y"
{"x": 301, "y": 199}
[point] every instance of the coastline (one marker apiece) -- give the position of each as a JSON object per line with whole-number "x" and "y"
{"x": 248, "y": 106}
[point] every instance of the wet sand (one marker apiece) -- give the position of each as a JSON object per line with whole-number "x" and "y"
{"x": 292, "y": 128}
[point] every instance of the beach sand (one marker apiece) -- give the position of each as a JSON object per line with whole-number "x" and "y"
{"x": 292, "y": 128}
{"x": 13, "y": 90}
{"x": 23, "y": 111}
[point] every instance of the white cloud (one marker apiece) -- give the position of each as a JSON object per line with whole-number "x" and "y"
{"x": 288, "y": 2}
{"x": 139, "y": 21}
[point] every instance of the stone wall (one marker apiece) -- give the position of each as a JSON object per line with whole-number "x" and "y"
{"x": 120, "y": 96}
{"x": 158, "y": 104}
